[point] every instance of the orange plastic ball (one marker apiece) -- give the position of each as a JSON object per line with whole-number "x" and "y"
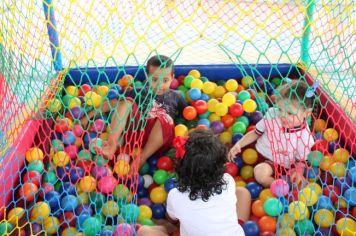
{"x": 267, "y": 224}
{"x": 189, "y": 113}
{"x": 257, "y": 208}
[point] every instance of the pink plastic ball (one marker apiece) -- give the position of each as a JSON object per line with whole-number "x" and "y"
{"x": 72, "y": 151}
{"x": 123, "y": 230}
{"x": 174, "y": 84}
{"x": 98, "y": 126}
{"x": 78, "y": 130}
{"x": 279, "y": 188}
{"x": 107, "y": 184}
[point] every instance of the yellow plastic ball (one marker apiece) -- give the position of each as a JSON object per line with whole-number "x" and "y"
{"x": 319, "y": 125}
{"x": 158, "y": 195}
{"x": 71, "y": 231}
{"x": 40, "y": 211}
{"x": 246, "y": 172}
{"x": 341, "y": 203}
{"x": 103, "y": 90}
{"x": 15, "y": 215}
{"x": 180, "y": 130}
{"x": 122, "y": 167}
{"x": 346, "y": 226}
{"x": 286, "y": 221}
{"x": 229, "y": 99}
{"x": 330, "y": 135}
{"x": 249, "y": 105}
{"x": 72, "y": 90}
{"x": 231, "y": 85}
{"x": 54, "y": 105}
{"x": 87, "y": 184}
{"x": 341, "y": 155}
{"x": 225, "y": 137}
{"x": 298, "y": 210}
{"x": 250, "y": 156}
{"x": 308, "y": 196}
{"x": 265, "y": 194}
{"x": 194, "y": 73}
{"x": 326, "y": 162}
{"x": 92, "y": 99}
{"x": 145, "y": 212}
{"x": 324, "y": 218}
{"x": 196, "y": 83}
{"x": 34, "y": 154}
{"x": 286, "y": 232}
{"x": 219, "y": 92}
{"x": 51, "y": 225}
{"x": 74, "y": 102}
{"x": 338, "y": 169}
{"x": 315, "y": 187}
{"x": 110, "y": 208}
{"x": 212, "y": 104}
{"x": 247, "y": 81}
{"x": 60, "y": 159}
{"x": 214, "y": 117}
{"x": 208, "y": 87}
{"x": 221, "y": 109}
{"x": 240, "y": 183}
{"x": 83, "y": 197}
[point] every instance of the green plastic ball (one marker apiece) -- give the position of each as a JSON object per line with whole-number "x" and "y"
{"x": 243, "y": 95}
{"x": 188, "y": 80}
{"x": 36, "y": 166}
{"x": 84, "y": 155}
{"x": 273, "y": 207}
{"x": 144, "y": 169}
{"x": 205, "y": 115}
{"x": 148, "y": 222}
{"x": 314, "y": 158}
{"x": 50, "y": 177}
{"x": 239, "y": 127}
{"x": 244, "y": 120}
{"x": 276, "y": 81}
{"x": 160, "y": 176}
{"x": 121, "y": 192}
{"x": 304, "y": 227}
{"x": 5, "y": 228}
{"x": 130, "y": 212}
{"x": 57, "y": 145}
{"x": 91, "y": 226}
{"x": 97, "y": 199}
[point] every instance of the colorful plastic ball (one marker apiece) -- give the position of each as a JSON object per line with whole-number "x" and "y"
{"x": 107, "y": 184}
{"x": 330, "y": 135}
{"x": 229, "y": 99}
{"x": 98, "y": 126}
{"x": 341, "y": 155}
{"x": 189, "y": 113}
{"x": 87, "y": 184}
{"x": 352, "y": 174}
{"x": 298, "y": 210}
{"x": 72, "y": 151}
{"x": 225, "y": 137}
{"x": 267, "y": 224}
{"x": 231, "y": 85}
{"x": 326, "y": 162}
{"x": 197, "y": 84}
{"x": 69, "y": 231}
{"x": 145, "y": 212}
{"x": 350, "y": 196}
{"x": 247, "y": 81}
{"x": 255, "y": 117}
{"x": 204, "y": 122}
{"x": 188, "y": 80}
{"x": 72, "y": 90}
{"x": 314, "y": 158}
{"x": 346, "y": 226}
{"x": 158, "y": 211}
{"x": 15, "y": 215}
{"x": 110, "y": 209}
{"x": 272, "y": 206}
{"x": 231, "y": 169}
{"x": 122, "y": 168}
{"x": 304, "y": 227}
{"x": 60, "y": 159}
{"x": 69, "y": 203}
{"x": 246, "y": 172}
{"x": 236, "y": 137}
{"x": 319, "y": 125}
{"x": 243, "y": 95}
{"x": 180, "y": 130}
{"x": 342, "y": 183}
{"x": 124, "y": 230}
{"x": 254, "y": 189}
{"x": 165, "y": 163}
{"x": 33, "y": 177}
{"x": 201, "y": 106}
{"x": 279, "y": 188}
{"x": 74, "y": 102}
{"x": 54, "y": 105}
{"x": 75, "y": 174}
{"x": 324, "y": 218}
{"x": 228, "y": 120}
{"x": 257, "y": 208}
{"x": 194, "y": 94}
{"x": 130, "y": 212}
{"x": 249, "y": 105}
{"x": 208, "y": 87}
{"x": 51, "y": 225}
{"x": 266, "y": 194}
{"x": 331, "y": 191}
{"x": 158, "y": 195}
{"x": 221, "y": 109}
{"x": 91, "y": 226}
{"x": 239, "y": 127}
{"x": 251, "y": 228}
{"x": 84, "y": 209}
{"x": 160, "y": 176}
{"x": 212, "y": 105}
{"x": 169, "y": 184}
{"x": 34, "y": 154}
{"x": 236, "y": 110}
{"x": 217, "y": 127}
{"x": 286, "y": 231}
{"x": 92, "y": 99}
{"x": 249, "y": 156}
{"x": 36, "y": 166}
{"x": 338, "y": 169}
{"x": 324, "y": 202}
{"x": 28, "y": 191}
{"x": 322, "y": 146}
{"x": 214, "y": 117}
{"x": 148, "y": 180}
{"x": 113, "y": 94}
{"x": 40, "y": 211}
{"x": 308, "y": 196}
{"x": 219, "y": 91}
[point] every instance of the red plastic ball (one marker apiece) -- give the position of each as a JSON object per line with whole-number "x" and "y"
{"x": 152, "y": 186}
{"x": 353, "y": 212}
{"x": 341, "y": 213}
{"x": 332, "y": 192}
{"x": 84, "y": 89}
{"x": 236, "y": 110}
{"x": 250, "y": 128}
{"x": 231, "y": 168}
{"x": 252, "y": 93}
{"x": 61, "y": 126}
{"x": 228, "y": 120}
{"x": 69, "y": 218}
{"x": 322, "y": 146}
{"x": 33, "y": 177}
{"x": 46, "y": 188}
{"x": 201, "y": 106}
{"x": 165, "y": 163}
{"x": 254, "y": 218}
{"x": 189, "y": 113}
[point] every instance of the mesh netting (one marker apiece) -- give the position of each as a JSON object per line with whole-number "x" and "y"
{"x": 86, "y": 128}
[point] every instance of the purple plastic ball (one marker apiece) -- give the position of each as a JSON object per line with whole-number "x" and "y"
{"x": 217, "y": 127}
{"x": 99, "y": 171}
{"x": 144, "y": 201}
{"x": 77, "y": 112}
{"x": 83, "y": 209}
{"x": 75, "y": 174}
{"x": 255, "y": 117}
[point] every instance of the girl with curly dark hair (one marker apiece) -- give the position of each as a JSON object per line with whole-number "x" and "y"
{"x": 205, "y": 198}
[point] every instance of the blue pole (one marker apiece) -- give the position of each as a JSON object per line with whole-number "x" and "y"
{"x": 306, "y": 34}
{"x": 52, "y": 34}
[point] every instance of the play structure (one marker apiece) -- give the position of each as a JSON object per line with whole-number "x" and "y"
{"x": 61, "y": 61}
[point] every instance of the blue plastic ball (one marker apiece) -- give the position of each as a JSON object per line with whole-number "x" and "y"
{"x": 142, "y": 192}
{"x": 88, "y": 137}
{"x": 75, "y": 174}
{"x": 141, "y": 182}
{"x": 323, "y": 202}
{"x": 350, "y": 196}
{"x": 251, "y": 228}
{"x": 239, "y": 162}
{"x": 194, "y": 94}
{"x": 53, "y": 200}
{"x": 80, "y": 220}
{"x": 63, "y": 173}
{"x": 68, "y": 189}
{"x": 204, "y": 97}
{"x": 352, "y": 174}
{"x": 236, "y": 137}
{"x": 169, "y": 184}
{"x": 205, "y": 122}
{"x": 68, "y": 138}
{"x": 116, "y": 87}
{"x": 254, "y": 189}
{"x": 69, "y": 203}
{"x": 113, "y": 94}
{"x": 158, "y": 211}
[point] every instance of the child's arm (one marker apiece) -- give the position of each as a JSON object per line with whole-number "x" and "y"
{"x": 247, "y": 139}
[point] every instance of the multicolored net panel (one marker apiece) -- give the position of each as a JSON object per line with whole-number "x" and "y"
{"x": 66, "y": 70}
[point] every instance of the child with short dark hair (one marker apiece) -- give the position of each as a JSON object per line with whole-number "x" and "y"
{"x": 158, "y": 128}
{"x": 283, "y": 136}
{"x": 205, "y": 200}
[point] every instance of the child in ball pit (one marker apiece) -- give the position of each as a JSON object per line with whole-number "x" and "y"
{"x": 158, "y": 132}
{"x": 283, "y": 136}
{"x": 205, "y": 200}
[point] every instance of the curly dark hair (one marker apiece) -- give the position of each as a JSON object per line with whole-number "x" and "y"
{"x": 200, "y": 172}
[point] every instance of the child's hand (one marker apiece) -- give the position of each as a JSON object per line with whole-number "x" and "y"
{"x": 297, "y": 179}
{"x": 236, "y": 149}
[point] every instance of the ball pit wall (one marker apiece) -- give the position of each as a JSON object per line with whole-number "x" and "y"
{"x": 33, "y": 129}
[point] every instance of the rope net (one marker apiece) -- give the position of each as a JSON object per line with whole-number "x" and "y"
{"x": 84, "y": 109}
